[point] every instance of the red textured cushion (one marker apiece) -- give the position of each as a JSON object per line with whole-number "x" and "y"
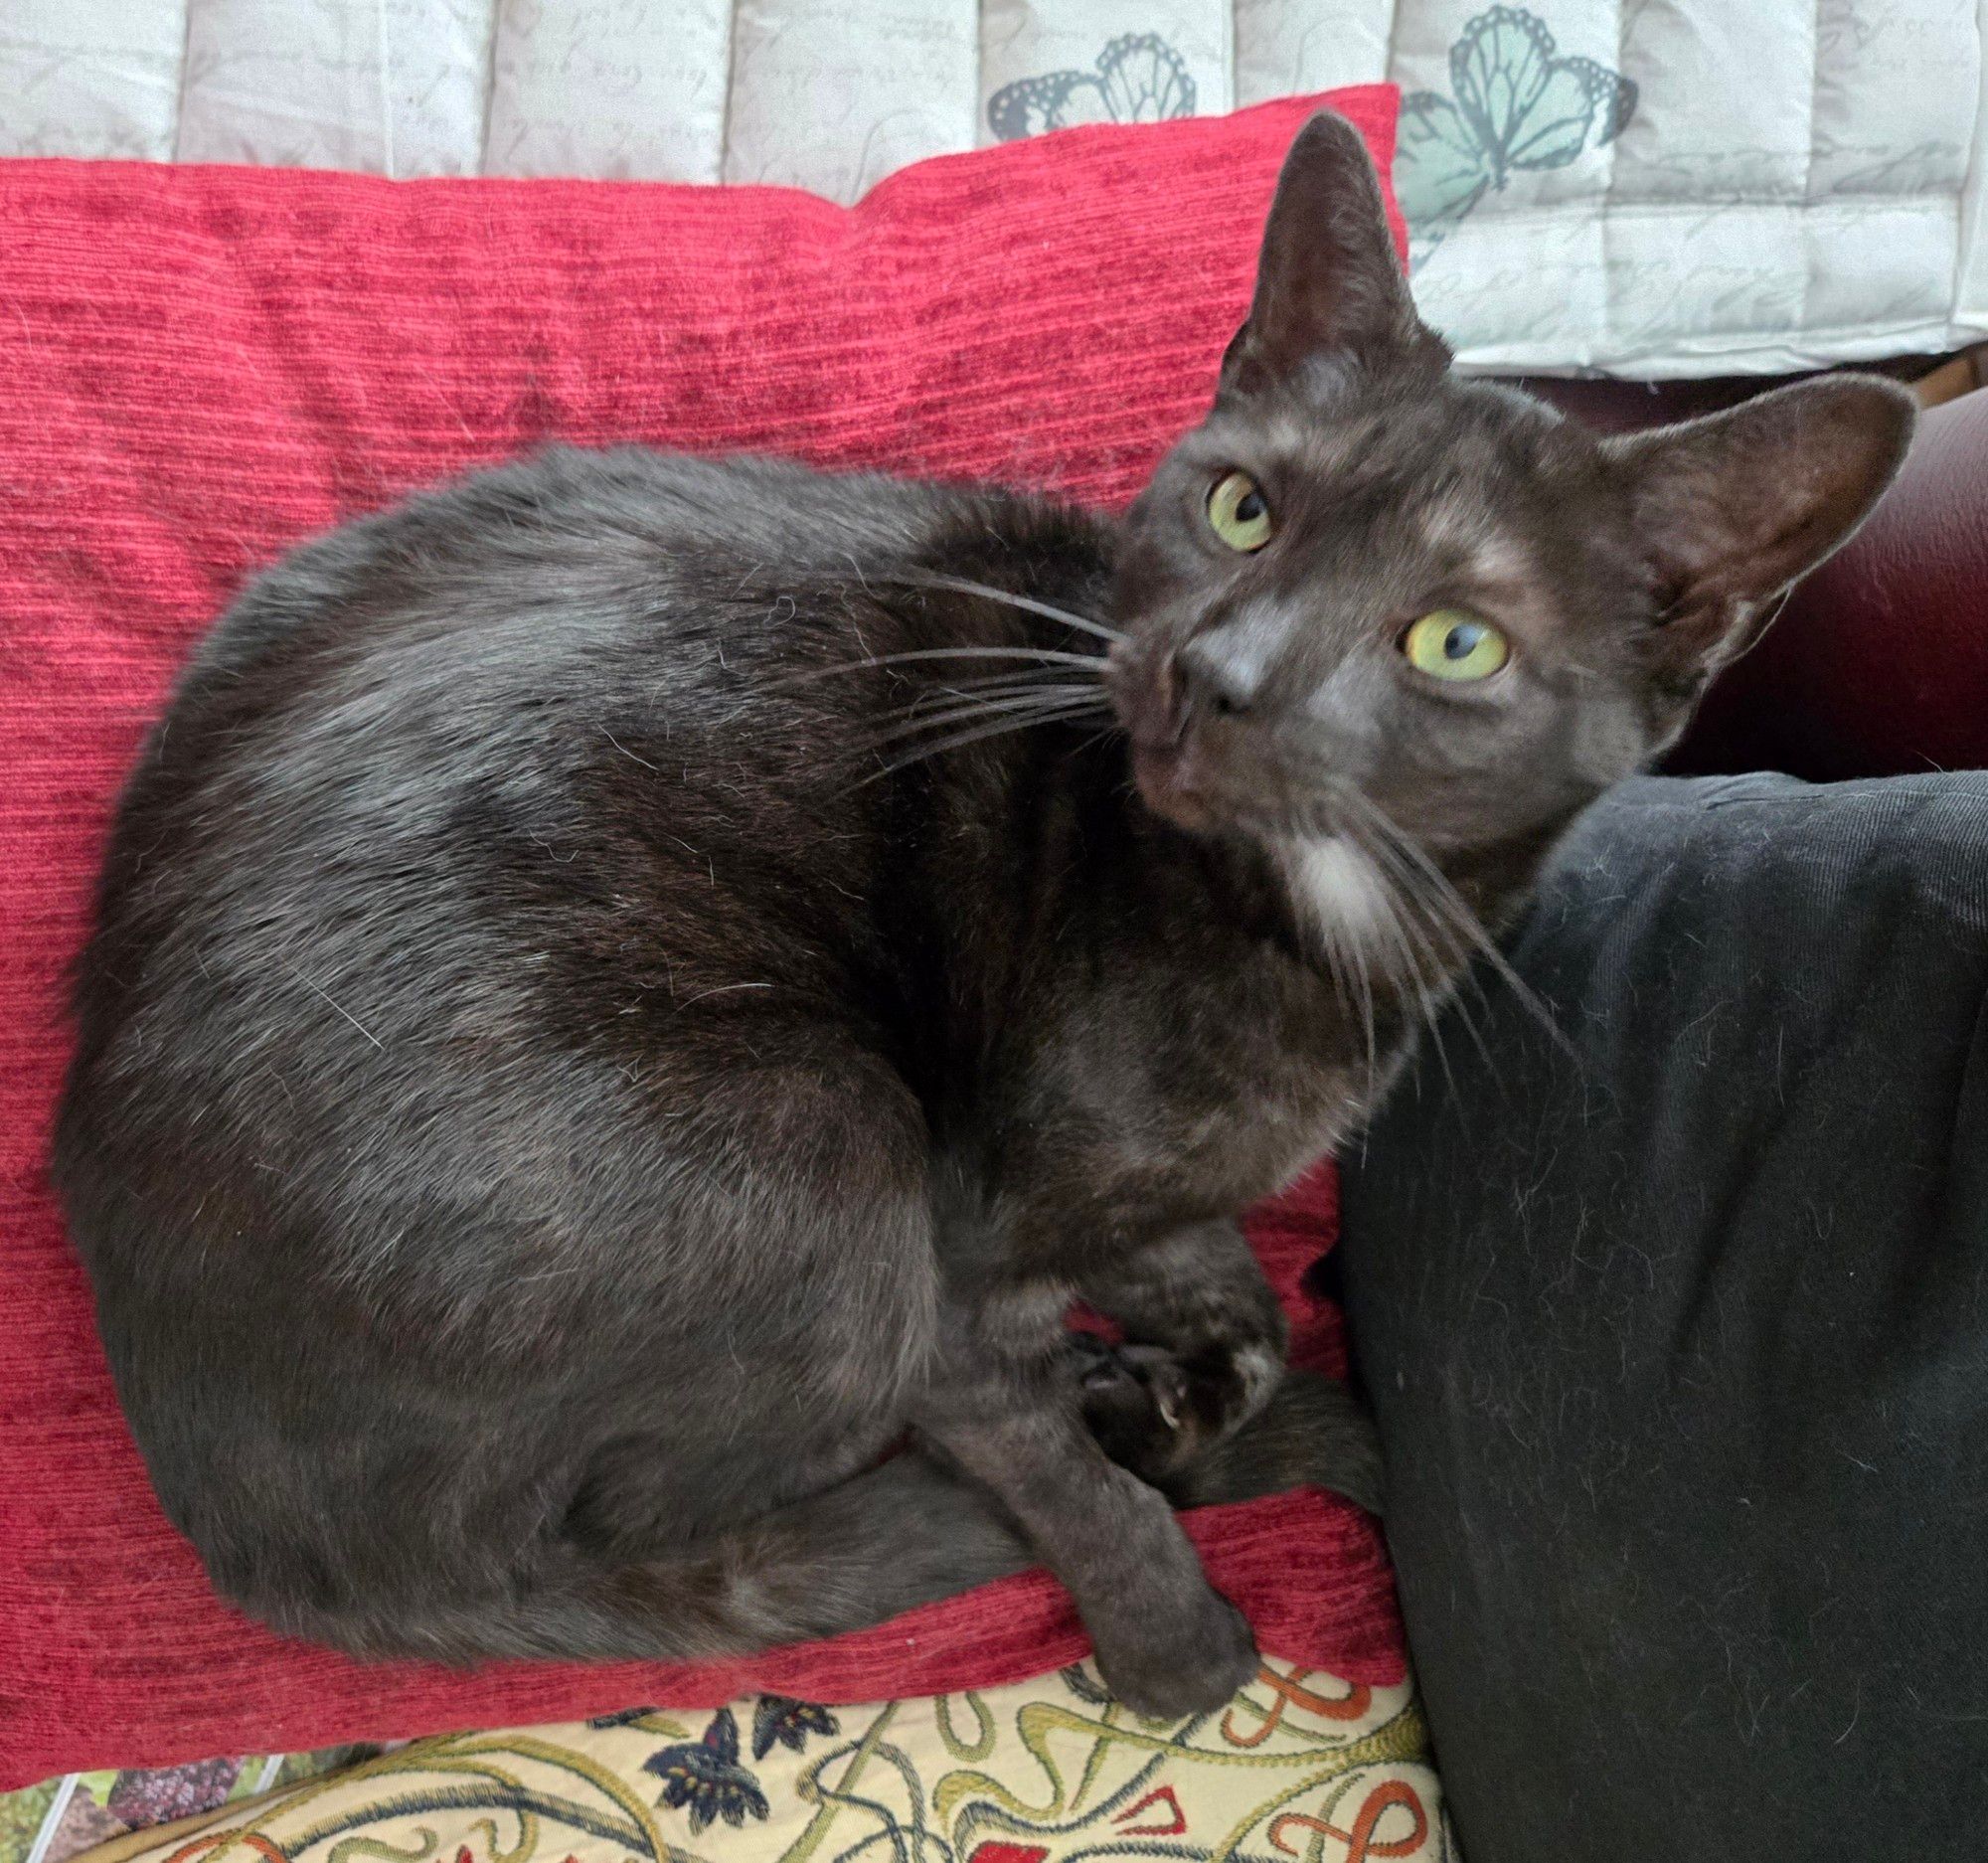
{"x": 197, "y": 367}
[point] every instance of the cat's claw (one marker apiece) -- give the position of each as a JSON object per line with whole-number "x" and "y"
{"x": 1136, "y": 1401}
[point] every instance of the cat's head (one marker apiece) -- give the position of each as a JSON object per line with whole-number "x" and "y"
{"x": 1364, "y": 578}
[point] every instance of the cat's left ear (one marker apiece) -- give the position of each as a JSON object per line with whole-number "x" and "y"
{"x": 1328, "y": 281}
{"x": 1732, "y": 508}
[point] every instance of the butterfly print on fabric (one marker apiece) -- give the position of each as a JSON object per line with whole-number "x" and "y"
{"x": 1518, "y": 109}
{"x": 781, "y": 1719}
{"x": 1140, "y": 78}
{"x": 705, "y": 1779}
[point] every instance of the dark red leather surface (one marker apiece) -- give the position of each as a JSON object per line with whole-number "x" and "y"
{"x": 1878, "y": 664}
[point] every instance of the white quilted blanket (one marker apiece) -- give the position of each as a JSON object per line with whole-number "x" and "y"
{"x": 1652, "y": 187}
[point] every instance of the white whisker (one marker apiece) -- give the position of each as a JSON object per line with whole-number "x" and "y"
{"x": 1049, "y": 656}
{"x": 965, "y": 585}
{"x": 1055, "y": 699}
{"x": 999, "y": 686}
{"x": 1070, "y": 709}
{"x": 1439, "y": 895}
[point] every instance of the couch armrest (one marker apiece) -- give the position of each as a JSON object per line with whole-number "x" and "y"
{"x": 1878, "y": 664}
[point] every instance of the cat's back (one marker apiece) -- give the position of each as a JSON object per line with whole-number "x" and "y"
{"x": 449, "y": 813}
{"x": 388, "y": 707}
{"x": 554, "y": 560}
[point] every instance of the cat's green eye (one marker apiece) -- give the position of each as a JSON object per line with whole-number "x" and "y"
{"x": 1450, "y": 644}
{"x": 1239, "y": 512}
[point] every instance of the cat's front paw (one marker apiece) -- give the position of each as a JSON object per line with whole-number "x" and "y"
{"x": 1187, "y": 1660}
{"x": 1135, "y": 1401}
{"x": 1153, "y": 1410}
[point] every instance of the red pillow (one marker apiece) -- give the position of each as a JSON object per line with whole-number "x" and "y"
{"x": 202, "y": 366}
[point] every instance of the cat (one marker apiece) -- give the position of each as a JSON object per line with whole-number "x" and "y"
{"x": 630, "y": 994}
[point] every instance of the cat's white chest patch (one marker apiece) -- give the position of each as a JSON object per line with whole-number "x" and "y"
{"x": 1339, "y": 890}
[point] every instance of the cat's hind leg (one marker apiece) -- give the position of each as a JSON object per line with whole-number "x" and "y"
{"x": 905, "y": 1533}
{"x": 1007, "y": 1410}
{"x": 912, "y": 1531}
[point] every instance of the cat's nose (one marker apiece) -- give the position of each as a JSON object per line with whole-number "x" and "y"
{"x": 1211, "y": 681}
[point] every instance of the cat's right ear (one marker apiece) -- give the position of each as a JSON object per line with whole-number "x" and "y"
{"x": 1731, "y": 508}
{"x": 1328, "y": 282}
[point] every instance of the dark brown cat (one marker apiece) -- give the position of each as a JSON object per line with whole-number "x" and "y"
{"x": 629, "y": 987}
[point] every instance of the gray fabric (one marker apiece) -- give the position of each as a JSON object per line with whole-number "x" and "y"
{"x": 1678, "y": 1338}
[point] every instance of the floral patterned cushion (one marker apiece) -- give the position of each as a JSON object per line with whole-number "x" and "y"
{"x": 1298, "y": 1764}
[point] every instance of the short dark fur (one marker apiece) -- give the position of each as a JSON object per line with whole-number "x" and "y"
{"x": 556, "y": 1103}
